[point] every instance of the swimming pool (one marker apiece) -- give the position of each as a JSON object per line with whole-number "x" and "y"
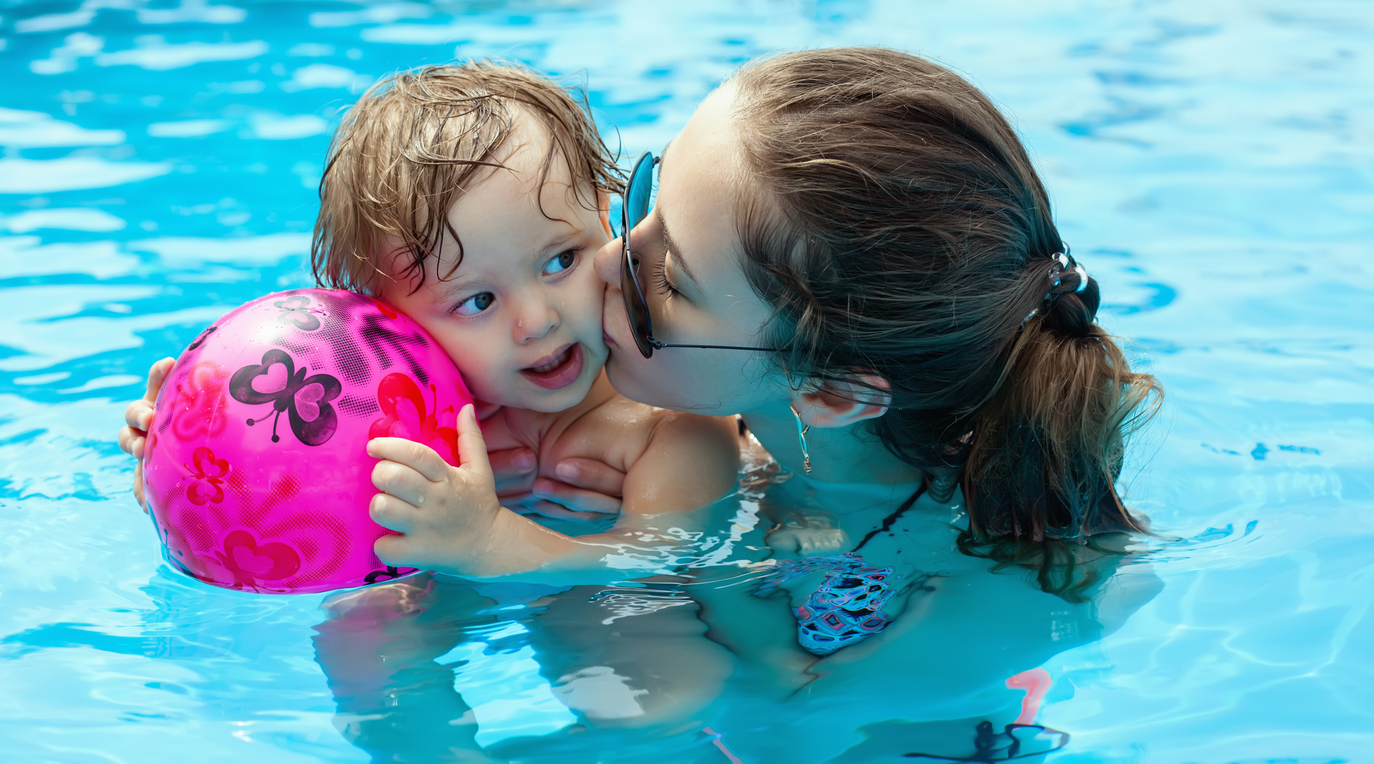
{"x": 1212, "y": 164}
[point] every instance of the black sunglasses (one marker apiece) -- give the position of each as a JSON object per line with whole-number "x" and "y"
{"x": 635, "y": 209}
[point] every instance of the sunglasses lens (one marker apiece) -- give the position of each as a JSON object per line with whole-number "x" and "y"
{"x": 640, "y": 187}
{"x": 635, "y": 209}
{"x": 636, "y": 307}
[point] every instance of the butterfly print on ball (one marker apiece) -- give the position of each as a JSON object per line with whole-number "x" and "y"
{"x": 305, "y": 400}
{"x": 247, "y": 563}
{"x": 294, "y": 313}
{"x": 198, "y": 402}
{"x": 408, "y": 416}
{"x": 209, "y": 474}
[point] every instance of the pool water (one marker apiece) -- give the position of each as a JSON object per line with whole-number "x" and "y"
{"x": 1212, "y": 164}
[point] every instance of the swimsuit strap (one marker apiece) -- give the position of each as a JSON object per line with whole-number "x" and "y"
{"x": 892, "y": 518}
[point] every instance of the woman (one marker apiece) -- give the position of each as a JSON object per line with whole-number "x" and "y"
{"x": 871, "y": 223}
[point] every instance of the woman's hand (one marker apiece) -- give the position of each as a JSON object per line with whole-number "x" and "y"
{"x": 138, "y": 417}
{"x": 587, "y": 489}
{"x": 584, "y": 489}
{"x": 446, "y": 517}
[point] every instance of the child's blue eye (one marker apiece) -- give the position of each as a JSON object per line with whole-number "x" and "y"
{"x": 475, "y": 304}
{"x": 561, "y": 263}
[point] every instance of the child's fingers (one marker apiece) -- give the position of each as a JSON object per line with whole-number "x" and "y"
{"x": 394, "y": 550}
{"x": 417, "y": 456}
{"x": 139, "y": 414}
{"x": 391, "y": 513}
{"x": 131, "y": 441}
{"x": 472, "y": 448}
{"x": 401, "y": 482}
{"x": 156, "y": 376}
{"x": 575, "y": 499}
{"x": 138, "y": 486}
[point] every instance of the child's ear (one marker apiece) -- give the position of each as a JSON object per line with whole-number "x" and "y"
{"x": 603, "y": 204}
{"x": 840, "y": 404}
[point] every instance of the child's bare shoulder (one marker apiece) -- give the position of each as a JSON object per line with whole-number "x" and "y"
{"x": 685, "y": 460}
{"x": 673, "y": 461}
{"x": 606, "y": 426}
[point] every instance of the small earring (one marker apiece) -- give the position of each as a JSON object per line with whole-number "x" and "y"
{"x": 801, "y": 436}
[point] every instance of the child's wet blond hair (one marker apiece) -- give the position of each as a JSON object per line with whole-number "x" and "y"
{"x": 413, "y": 144}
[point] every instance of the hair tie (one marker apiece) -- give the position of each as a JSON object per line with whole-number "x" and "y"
{"x": 1061, "y": 261}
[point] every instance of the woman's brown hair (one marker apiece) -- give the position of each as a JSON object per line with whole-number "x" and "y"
{"x": 414, "y": 142}
{"x": 894, "y": 221}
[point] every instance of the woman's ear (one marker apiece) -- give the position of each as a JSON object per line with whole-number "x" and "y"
{"x": 603, "y": 205}
{"x": 840, "y": 404}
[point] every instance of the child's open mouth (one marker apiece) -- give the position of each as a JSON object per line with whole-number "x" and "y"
{"x": 558, "y": 370}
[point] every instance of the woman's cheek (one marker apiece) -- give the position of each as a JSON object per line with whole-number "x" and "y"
{"x": 679, "y": 378}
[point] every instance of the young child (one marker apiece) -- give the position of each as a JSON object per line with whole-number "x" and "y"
{"x": 472, "y": 198}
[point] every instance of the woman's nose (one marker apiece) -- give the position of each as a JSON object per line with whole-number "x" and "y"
{"x": 607, "y": 262}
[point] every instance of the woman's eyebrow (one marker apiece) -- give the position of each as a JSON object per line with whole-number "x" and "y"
{"x": 668, "y": 241}
{"x": 672, "y": 249}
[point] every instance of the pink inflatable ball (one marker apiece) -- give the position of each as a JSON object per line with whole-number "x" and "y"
{"x": 256, "y": 470}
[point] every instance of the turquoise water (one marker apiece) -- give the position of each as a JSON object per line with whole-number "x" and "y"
{"x": 1212, "y": 164}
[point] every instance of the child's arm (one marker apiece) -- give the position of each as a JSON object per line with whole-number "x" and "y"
{"x": 449, "y": 519}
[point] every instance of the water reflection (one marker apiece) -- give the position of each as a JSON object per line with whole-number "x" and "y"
{"x": 703, "y": 661}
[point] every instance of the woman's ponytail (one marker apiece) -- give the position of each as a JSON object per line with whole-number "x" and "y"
{"x": 1047, "y": 449}
{"x": 895, "y": 224}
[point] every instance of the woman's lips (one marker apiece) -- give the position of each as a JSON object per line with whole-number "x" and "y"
{"x": 561, "y": 370}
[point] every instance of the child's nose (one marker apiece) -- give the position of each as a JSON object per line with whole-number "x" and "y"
{"x": 536, "y": 320}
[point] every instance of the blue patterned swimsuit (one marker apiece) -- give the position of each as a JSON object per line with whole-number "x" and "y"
{"x": 848, "y": 606}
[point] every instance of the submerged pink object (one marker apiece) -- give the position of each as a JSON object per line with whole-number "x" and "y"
{"x": 1036, "y": 682}
{"x": 256, "y": 470}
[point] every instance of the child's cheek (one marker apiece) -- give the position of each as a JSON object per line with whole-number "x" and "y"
{"x": 591, "y": 297}
{"x": 482, "y": 381}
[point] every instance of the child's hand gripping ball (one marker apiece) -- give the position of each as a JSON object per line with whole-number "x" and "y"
{"x": 256, "y": 469}
{"x": 445, "y": 517}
